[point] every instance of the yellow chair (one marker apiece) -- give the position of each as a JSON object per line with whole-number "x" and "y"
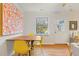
{"x": 41, "y": 41}
{"x": 21, "y": 47}
{"x": 31, "y": 34}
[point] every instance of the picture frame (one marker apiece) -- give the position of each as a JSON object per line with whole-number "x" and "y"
{"x": 72, "y": 25}
{"x": 41, "y": 25}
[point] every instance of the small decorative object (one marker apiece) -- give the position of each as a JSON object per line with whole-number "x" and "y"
{"x": 72, "y": 25}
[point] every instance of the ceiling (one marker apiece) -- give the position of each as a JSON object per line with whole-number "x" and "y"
{"x": 65, "y": 9}
{"x": 37, "y": 6}
{"x": 48, "y": 7}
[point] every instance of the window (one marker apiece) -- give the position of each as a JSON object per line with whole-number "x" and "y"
{"x": 42, "y": 25}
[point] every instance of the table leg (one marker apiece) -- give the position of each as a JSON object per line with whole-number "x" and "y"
{"x": 32, "y": 44}
{"x": 29, "y": 46}
{"x": 28, "y": 43}
{"x": 29, "y": 53}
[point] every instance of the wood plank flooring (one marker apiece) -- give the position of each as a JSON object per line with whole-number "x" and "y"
{"x": 52, "y": 50}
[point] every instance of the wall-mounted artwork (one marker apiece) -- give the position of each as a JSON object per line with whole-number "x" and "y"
{"x": 60, "y": 25}
{"x": 72, "y": 25}
{"x": 11, "y": 19}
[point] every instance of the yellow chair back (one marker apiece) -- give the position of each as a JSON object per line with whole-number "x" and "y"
{"x": 31, "y": 34}
{"x": 20, "y": 47}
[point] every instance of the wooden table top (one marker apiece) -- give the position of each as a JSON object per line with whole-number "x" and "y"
{"x": 37, "y": 38}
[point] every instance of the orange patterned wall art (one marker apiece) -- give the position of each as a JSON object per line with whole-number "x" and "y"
{"x": 12, "y": 19}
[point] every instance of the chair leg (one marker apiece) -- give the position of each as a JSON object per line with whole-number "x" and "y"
{"x": 29, "y": 53}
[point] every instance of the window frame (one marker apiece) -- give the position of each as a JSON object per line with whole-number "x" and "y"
{"x": 39, "y": 18}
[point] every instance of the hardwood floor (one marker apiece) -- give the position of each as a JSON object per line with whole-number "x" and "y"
{"x": 52, "y": 50}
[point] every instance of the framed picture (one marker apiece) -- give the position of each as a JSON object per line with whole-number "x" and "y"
{"x": 10, "y": 17}
{"x": 72, "y": 25}
{"x": 12, "y": 20}
{"x": 60, "y": 25}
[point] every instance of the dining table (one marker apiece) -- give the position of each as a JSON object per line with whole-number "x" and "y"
{"x": 29, "y": 39}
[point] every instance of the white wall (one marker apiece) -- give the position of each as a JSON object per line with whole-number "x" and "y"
{"x": 58, "y": 37}
{"x": 30, "y": 21}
